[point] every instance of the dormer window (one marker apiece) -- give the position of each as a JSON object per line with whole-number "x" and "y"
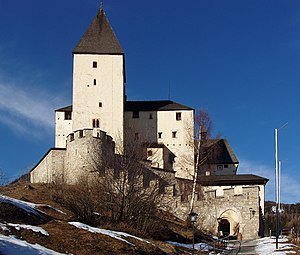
{"x": 95, "y": 64}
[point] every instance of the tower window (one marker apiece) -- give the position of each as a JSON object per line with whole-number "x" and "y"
{"x": 178, "y": 115}
{"x": 159, "y": 134}
{"x": 95, "y": 64}
{"x": 150, "y": 116}
{"x": 80, "y": 134}
{"x": 149, "y": 153}
{"x": 68, "y": 115}
{"x": 95, "y": 82}
{"x": 135, "y": 114}
{"x": 174, "y": 134}
{"x": 96, "y": 123}
{"x": 100, "y": 104}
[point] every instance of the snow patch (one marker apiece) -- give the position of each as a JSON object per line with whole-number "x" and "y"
{"x": 33, "y": 228}
{"x": 197, "y": 246}
{"x": 267, "y": 246}
{"x": 13, "y": 246}
{"x": 114, "y": 234}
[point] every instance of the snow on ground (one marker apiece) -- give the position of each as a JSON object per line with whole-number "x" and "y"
{"x": 267, "y": 246}
{"x": 114, "y": 234}
{"x": 9, "y": 245}
{"x": 198, "y": 246}
{"x": 27, "y": 206}
{"x": 33, "y": 228}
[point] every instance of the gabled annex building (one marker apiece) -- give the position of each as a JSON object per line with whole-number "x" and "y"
{"x": 101, "y": 123}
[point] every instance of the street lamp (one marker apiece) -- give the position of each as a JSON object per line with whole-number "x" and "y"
{"x": 193, "y": 218}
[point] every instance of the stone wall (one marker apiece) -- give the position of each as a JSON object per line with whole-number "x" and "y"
{"x": 87, "y": 152}
{"x": 50, "y": 168}
{"x": 240, "y": 209}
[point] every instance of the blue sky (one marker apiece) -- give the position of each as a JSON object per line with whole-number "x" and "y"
{"x": 239, "y": 60}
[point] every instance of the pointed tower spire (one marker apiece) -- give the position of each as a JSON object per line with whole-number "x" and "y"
{"x": 99, "y": 38}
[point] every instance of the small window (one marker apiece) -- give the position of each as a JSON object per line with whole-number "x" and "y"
{"x": 135, "y": 114}
{"x": 174, "y": 134}
{"x": 80, "y": 134}
{"x": 150, "y": 116}
{"x": 71, "y": 137}
{"x": 68, "y": 115}
{"x": 225, "y": 166}
{"x": 95, "y": 82}
{"x": 159, "y": 134}
{"x": 100, "y": 104}
{"x": 136, "y": 136}
{"x": 95, "y": 64}
{"x": 149, "y": 153}
{"x": 178, "y": 115}
{"x": 96, "y": 123}
{"x": 220, "y": 167}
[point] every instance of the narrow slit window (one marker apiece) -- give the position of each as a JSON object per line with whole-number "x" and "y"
{"x": 159, "y": 134}
{"x": 174, "y": 134}
{"x": 100, "y": 104}
{"x": 95, "y": 82}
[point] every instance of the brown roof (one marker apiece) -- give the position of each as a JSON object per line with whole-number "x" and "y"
{"x": 159, "y": 105}
{"x": 99, "y": 38}
{"x": 65, "y": 109}
{"x": 238, "y": 179}
{"x": 218, "y": 151}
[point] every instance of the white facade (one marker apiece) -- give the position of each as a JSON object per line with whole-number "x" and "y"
{"x": 98, "y": 94}
{"x": 172, "y": 128}
{"x": 63, "y": 127}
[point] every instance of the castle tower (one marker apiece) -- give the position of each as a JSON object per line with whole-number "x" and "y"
{"x": 98, "y": 80}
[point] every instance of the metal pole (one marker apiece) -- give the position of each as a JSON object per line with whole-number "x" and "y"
{"x": 277, "y": 185}
{"x": 193, "y": 238}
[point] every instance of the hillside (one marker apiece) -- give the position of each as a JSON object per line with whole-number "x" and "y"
{"x": 37, "y": 219}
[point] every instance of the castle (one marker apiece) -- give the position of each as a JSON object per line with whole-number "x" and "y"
{"x": 102, "y": 123}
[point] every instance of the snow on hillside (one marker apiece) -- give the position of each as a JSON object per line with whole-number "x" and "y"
{"x": 27, "y": 206}
{"x": 33, "y": 228}
{"x": 114, "y": 234}
{"x": 9, "y": 245}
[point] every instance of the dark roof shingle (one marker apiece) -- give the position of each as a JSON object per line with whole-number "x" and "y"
{"x": 99, "y": 38}
{"x": 159, "y": 105}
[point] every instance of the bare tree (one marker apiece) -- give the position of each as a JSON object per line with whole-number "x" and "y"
{"x": 203, "y": 126}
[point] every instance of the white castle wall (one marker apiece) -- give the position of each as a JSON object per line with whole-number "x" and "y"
{"x": 165, "y": 122}
{"x": 50, "y": 168}
{"x": 98, "y": 93}
{"x": 63, "y": 128}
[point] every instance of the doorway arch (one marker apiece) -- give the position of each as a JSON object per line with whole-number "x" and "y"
{"x": 224, "y": 227}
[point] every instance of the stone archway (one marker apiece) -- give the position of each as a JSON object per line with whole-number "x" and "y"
{"x": 224, "y": 227}
{"x": 228, "y": 222}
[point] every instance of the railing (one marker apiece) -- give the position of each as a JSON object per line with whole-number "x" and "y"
{"x": 226, "y": 246}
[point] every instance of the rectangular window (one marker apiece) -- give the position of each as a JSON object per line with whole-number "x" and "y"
{"x": 135, "y": 114}
{"x": 100, "y": 104}
{"x": 178, "y": 115}
{"x": 136, "y": 136}
{"x": 150, "y": 116}
{"x": 159, "y": 134}
{"x": 95, "y": 82}
{"x": 68, "y": 115}
{"x": 71, "y": 137}
{"x": 225, "y": 166}
{"x": 80, "y": 134}
{"x": 95, "y": 64}
{"x": 96, "y": 123}
{"x": 174, "y": 134}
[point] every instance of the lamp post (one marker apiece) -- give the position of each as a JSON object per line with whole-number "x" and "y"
{"x": 277, "y": 182}
{"x": 193, "y": 218}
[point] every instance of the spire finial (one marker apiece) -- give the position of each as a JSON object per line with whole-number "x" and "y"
{"x": 101, "y": 6}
